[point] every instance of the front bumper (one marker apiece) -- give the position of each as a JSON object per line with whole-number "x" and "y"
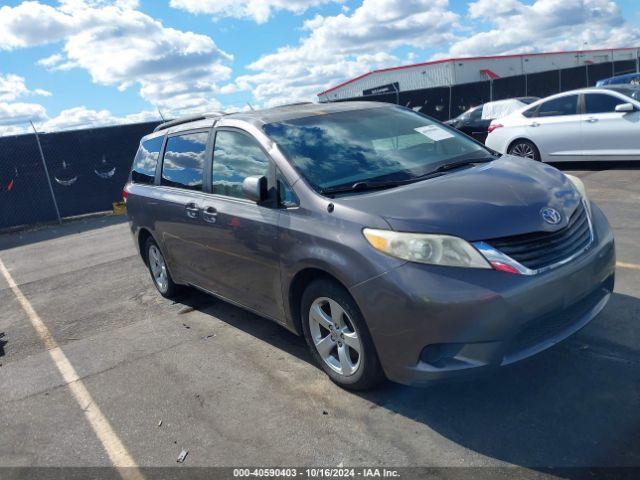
{"x": 475, "y": 320}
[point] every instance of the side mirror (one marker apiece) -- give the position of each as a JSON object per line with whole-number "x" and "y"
{"x": 625, "y": 107}
{"x": 255, "y": 188}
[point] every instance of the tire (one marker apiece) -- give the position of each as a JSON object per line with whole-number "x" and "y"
{"x": 158, "y": 270}
{"x": 339, "y": 338}
{"x": 526, "y": 149}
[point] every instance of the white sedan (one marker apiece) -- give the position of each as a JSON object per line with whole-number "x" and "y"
{"x": 587, "y": 124}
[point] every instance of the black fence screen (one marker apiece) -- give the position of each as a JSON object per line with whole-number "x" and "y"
{"x": 87, "y": 168}
{"x": 509, "y": 87}
{"x": 624, "y": 66}
{"x": 463, "y": 97}
{"x": 599, "y": 71}
{"x": 24, "y": 192}
{"x": 433, "y": 101}
{"x": 573, "y": 78}
{"x": 444, "y": 103}
{"x": 543, "y": 84}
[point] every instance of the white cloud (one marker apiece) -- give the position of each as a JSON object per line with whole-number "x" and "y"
{"x": 546, "y": 25}
{"x": 15, "y": 118}
{"x": 13, "y": 112}
{"x": 82, "y": 117}
{"x": 19, "y": 113}
{"x": 51, "y": 62}
{"x": 257, "y": 10}
{"x": 343, "y": 46}
{"x": 33, "y": 23}
{"x": 121, "y": 46}
{"x": 13, "y": 87}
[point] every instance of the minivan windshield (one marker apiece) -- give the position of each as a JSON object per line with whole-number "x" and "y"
{"x": 375, "y": 145}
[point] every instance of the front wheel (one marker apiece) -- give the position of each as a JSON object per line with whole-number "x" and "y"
{"x": 525, "y": 149}
{"x": 338, "y": 337}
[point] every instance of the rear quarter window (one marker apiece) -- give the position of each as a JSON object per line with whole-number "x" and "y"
{"x": 146, "y": 161}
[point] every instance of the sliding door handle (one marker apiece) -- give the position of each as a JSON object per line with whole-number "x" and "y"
{"x": 192, "y": 210}
{"x": 210, "y": 214}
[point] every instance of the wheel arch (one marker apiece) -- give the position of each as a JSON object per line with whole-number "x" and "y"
{"x": 142, "y": 237}
{"x": 520, "y": 139}
{"x": 300, "y": 281}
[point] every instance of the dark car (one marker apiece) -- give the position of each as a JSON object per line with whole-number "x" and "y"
{"x": 628, "y": 79}
{"x": 396, "y": 245}
{"x": 475, "y": 121}
{"x": 631, "y": 91}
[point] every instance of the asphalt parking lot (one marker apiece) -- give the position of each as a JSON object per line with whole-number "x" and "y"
{"x": 236, "y": 390}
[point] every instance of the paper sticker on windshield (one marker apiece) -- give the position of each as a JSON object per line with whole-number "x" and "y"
{"x": 434, "y": 132}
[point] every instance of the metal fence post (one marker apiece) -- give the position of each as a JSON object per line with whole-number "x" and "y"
{"x": 46, "y": 171}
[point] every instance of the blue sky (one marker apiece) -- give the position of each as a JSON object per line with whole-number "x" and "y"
{"x": 111, "y": 61}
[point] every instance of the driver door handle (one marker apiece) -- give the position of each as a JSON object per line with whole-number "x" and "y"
{"x": 592, "y": 120}
{"x": 534, "y": 124}
{"x": 192, "y": 210}
{"x": 210, "y": 214}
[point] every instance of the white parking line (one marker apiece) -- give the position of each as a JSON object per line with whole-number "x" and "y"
{"x": 632, "y": 266}
{"x": 114, "y": 447}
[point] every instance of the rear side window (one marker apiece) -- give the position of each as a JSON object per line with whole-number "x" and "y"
{"x": 559, "y": 107}
{"x": 184, "y": 158}
{"x": 601, "y": 103}
{"x": 236, "y": 156}
{"x": 476, "y": 114}
{"x": 144, "y": 165}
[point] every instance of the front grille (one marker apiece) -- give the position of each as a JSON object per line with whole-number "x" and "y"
{"x": 542, "y": 249}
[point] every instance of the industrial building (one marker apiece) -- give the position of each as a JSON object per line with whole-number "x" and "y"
{"x": 445, "y": 88}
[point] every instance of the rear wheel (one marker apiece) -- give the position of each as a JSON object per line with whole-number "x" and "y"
{"x": 525, "y": 149}
{"x": 338, "y": 337}
{"x": 159, "y": 271}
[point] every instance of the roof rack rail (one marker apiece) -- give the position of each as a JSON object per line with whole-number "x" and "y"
{"x": 192, "y": 118}
{"x": 294, "y": 104}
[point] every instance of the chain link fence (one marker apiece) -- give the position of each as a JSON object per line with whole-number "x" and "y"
{"x": 85, "y": 172}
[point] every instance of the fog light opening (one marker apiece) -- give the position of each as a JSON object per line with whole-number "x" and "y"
{"x": 440, "y": 355}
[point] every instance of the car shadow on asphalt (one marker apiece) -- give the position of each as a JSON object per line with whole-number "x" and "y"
{"x": 573, "y": 405}
{"x": 247, "y": 322}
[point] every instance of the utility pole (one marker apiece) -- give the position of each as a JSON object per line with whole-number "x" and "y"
{"x": 46, "y": 172}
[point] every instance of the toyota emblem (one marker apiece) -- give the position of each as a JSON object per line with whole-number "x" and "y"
{"x": 551, "y": 215}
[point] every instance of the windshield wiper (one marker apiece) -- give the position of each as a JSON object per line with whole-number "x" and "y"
{"x": 362, "y": 186}
{"x": 454, "y": 165}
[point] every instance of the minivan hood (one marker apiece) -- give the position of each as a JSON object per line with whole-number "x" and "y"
{"x": 497, "y": 199}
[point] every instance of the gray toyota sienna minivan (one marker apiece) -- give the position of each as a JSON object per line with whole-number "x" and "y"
{"x": 396, "y": 245}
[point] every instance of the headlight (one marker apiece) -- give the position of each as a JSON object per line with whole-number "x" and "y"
{"x": 581, "y": 190}
{"x": 426, "y": 248}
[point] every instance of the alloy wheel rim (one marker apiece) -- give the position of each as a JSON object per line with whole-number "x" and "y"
{"x": 334, "y": 336}
{"x": 524, "y": 150}
{"x": 158, "y": 268}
